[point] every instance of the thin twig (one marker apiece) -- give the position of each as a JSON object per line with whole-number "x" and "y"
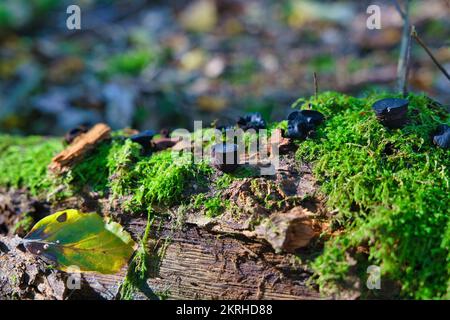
{"x": 399, "y": 9}
{"x": 316, "y": 86}
{"x": 407, "y": 63}
{"x": 423, "y": 45}
{"x": 403, "y": 59}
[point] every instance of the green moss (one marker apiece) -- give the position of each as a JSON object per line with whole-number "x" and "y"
{"x": 163, "y": 179}
{"x": 115, "y": 166}
{"x": 213, "y": 206}
{"x": 24, "y": 161}
{"x": 120, "y": 168}
{"x": 391, "y": 190}
{"x": 93, "y": 171}
{"x": 224, "y": 181}
{"x": 138, "y": 267}
{"x": 120, "y": 165}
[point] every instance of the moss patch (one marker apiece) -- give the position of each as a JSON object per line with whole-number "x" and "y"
{"x": 391, "y": 190}
{"x": 24, "y": 161}
{"x": 213, "y": 206}
{"x": 138, "y": 267}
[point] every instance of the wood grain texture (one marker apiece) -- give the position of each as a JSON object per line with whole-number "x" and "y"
{"x": 189, "y": 263}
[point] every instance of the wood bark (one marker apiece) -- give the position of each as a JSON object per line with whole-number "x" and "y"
{"x": 79, "y": 147}
{"x": 187, "y": 263}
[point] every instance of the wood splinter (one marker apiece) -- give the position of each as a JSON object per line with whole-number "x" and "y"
{"x": 82, "y": 144}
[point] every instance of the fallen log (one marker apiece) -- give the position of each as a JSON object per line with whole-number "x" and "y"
{"x": 189, "y": 263}
{"x": 257, "y": 248}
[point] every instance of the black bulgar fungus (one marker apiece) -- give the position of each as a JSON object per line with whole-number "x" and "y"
{"x": 164, "y": 133}
{"x": 70, "y": 136}
{"x": 302, "y": 123}
{"x": 312, "y": 116}
{"x": 293, "y": 115}
{"x": 298, "y": 128}
{"x": 163, "y": 143}
{"x": 391, "y": 112}
{"x": 224, "y": 157}
{"x": 143, "y": 138}
{"x": 442, "y": 137}
{"x": 252, "y": 121}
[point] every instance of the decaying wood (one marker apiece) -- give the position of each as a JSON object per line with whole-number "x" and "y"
{"x": 80, "y": 146}
{"x": 23, "y": 277}
{"x": 188, "y": 263}
{"x": 237, "y": 255}
{"x": 287, "y": 231}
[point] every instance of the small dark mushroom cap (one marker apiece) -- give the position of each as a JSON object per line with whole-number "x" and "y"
{"x": 293, "y": 115}
{"x": 252, "y": 121}
{"x": 221, "y": 154}
{"x": 312, "y": 116}
{"x": 165, "y": 133}
{"x": 70, "y": 136}
{"x": 299, "y": 128}
{"x": 391, "y": 112}
{"x": 225, "y": 128}
{"x": 301, "y": 123}
{"x": 143, "y": 138}
{"x": 390, "y": 106}
{"x": 442, "y": 137}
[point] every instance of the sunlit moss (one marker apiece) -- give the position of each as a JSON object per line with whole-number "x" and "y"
{"x": 120, "y": 168}
{"x": 212, "y": 206}
{"x": 390, "y": 188}
{"x": 24, "y": 161}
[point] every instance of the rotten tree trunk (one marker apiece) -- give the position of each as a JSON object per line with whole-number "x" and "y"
{"x": 192, "y": 264}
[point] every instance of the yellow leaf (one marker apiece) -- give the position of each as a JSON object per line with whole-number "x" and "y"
{"x": 72, "y": 239}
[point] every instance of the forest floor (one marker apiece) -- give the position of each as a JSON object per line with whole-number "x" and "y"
{"x": 162, "y": 64}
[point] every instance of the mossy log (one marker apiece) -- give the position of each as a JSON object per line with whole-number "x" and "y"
{"x": 247, "y": 249}
{"x": 214, "y": 235}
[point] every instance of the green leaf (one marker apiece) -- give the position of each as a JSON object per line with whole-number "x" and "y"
{"x": 70, "y": 238}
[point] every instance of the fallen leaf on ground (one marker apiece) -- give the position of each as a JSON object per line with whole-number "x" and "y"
{"x": 72, "y": 239}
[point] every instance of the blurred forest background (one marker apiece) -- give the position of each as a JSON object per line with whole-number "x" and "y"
{"x": 154, "y": 64}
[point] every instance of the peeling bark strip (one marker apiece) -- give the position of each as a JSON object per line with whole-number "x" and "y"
{"x": 287, "y": 231}
{"x": 81, "y": 145}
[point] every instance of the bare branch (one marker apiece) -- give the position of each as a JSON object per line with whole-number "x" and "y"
{"x": 316, "y": 85}
{"x": 402, "y": 67}
{"x": 399, "y": 9}
{"x": 424, "y": 46}
{"x": 407, "y": 63}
